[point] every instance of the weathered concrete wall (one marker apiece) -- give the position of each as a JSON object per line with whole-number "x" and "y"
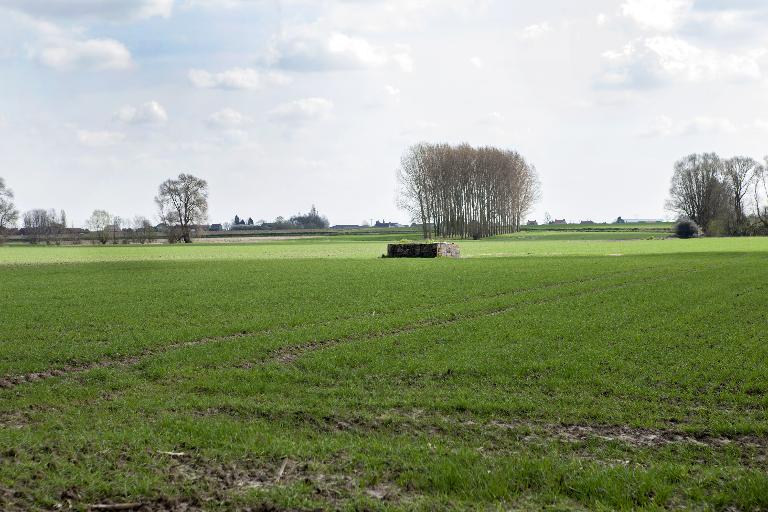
{"x": 415, "y": 250}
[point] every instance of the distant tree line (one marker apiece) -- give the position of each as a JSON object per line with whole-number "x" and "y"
{"x": 44, "y": 225}
{"x": 310, "y": 220}
{"x": 182, "y": 208}
{"x": 462, "y": 191}
{"x": 182, "y": 204}
{"x": 722, "y": 196}
{"x": 107, "y": 228}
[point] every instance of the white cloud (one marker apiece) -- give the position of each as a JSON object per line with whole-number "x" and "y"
{"x": 99, "y": 139}
{"x": 149, "y": 113}
{"x": 96, "y": 9}
{"x": 536, "y": 31}
{"x": 301, "y": 111}
{"x": 493, "y": 118}
{"x": 214, "y": 4}
{"x": 66, "y": 50}
{"x": 100, "y": 54}
{"x": 601, "y": 20}
{"x": 662, "y": 15}
{"x": 656, "y": 60}
{"x": 664, "y": 126}
{"x": 227, "y": 118}
{"x": 477, "y": 62}
{"x": 382, "y": 16}
{"x": 385, "y": 97}
{"x": 306, "y": 49}
{"x": 392, "y": 91}
{"x": 236, "y": 78}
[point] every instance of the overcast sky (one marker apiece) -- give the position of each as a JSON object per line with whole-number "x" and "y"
{"x": 281, "y": 104}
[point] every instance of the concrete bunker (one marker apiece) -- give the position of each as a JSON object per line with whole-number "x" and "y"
{"x": 423, "y": 250}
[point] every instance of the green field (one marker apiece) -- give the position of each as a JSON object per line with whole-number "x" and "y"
{"x": 543, "y": 370}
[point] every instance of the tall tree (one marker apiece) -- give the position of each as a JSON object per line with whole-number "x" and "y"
{"x": 101, "y": 222}
{"x": 143, "y": 231}
{"x": 8, "y": 212}
{"x": 697, "y": 191}
{"x": 739, "y": 172}
{"x": 760, "y": 184}
{"x": 183, "y": 202}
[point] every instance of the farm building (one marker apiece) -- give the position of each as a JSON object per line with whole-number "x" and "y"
{"x": 385, "y": 224}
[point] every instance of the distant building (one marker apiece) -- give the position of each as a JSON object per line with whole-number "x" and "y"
{"x": 588, "y": 222}
{"x": 533, "y": 223}
{"x": 559, "y": 221}
{"x": 385, "y": 224}
{"x": 216, "y": 227}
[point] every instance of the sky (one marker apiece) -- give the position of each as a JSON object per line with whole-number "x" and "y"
{"x": 282, "y": 104}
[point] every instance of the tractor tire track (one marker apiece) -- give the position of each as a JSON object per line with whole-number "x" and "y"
{"x": 289, "y": 354}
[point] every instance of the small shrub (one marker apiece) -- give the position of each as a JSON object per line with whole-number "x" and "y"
{"x": 719, "y": 227}
{"x": 686, "y": 229}
{"x": 475, "y": 230}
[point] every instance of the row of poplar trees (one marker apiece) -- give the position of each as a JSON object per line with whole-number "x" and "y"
{"x": 466, "y": 192}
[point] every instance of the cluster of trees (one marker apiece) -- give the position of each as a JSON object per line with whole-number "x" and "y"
{"x": 722, "y": 196}
{"x": 242, "y": 222}
{"x": 463, "y": 191}
{"x": 44, "y": 225}
{"x": 310, "y": 220}
{"x": 106, "y": 228}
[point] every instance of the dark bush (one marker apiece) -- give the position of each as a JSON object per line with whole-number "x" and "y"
{"x": 475, "y": 230}
{"x": 686, "y": 229}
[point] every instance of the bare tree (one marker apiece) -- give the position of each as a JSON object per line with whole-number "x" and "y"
{"x": 8, "y": 212}
{"x": 760, "y": 186}
{"x": 143, "y": 231}
{"x": 183, "y": 202}
{"x": 739, "y": 172}
{"x": 412, "y": 181}
{"x": 101, "y": 222}
{"x": 697, "y": 191}
{"x": 117, "y": 230}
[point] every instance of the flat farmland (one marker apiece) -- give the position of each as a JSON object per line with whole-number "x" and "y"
{"x": 568, "y": 372}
